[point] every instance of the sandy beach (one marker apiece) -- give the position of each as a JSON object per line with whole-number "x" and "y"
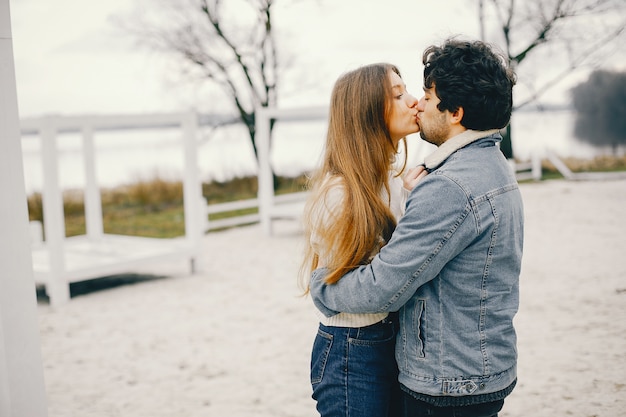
{"x": 234, "y": 339}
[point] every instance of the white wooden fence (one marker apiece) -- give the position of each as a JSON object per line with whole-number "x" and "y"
{"x": 58, "y": 260}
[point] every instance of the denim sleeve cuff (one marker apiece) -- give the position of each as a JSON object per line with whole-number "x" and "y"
{"x": 316, "y": 287}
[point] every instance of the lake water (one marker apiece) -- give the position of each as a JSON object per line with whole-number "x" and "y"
{"x": 128, "y": 156}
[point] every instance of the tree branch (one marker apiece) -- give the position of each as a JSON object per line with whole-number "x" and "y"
{"x": 575, "y": 64}
{"x": 214, "y": 20}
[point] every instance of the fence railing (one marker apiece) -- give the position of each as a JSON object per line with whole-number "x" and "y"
{"x": 294, "y": 200}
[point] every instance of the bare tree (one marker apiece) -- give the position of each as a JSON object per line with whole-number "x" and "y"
{"x": 229, "y": 45}
{"x": 565, "y": 34}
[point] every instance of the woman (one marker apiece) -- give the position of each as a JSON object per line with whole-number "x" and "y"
{"x": 356, "y": 198}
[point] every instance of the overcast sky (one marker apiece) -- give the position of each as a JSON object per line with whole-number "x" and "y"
{"x": 70, "y": 58}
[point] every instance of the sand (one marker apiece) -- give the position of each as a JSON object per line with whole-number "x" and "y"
{"x": 234, "y": 339}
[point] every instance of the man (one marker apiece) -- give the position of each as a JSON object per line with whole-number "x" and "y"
{"x": 452, "y": 266}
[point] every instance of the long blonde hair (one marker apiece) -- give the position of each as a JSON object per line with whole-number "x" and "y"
{"x": 359, "y": 151}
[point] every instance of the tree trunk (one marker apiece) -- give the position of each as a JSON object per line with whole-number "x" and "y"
{"x": 251, "y": 125}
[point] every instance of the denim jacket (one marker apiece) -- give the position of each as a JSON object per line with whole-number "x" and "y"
{"x": 452, "y": 270}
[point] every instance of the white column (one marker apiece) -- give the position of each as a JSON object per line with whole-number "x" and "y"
{"x": 22, "y": 391}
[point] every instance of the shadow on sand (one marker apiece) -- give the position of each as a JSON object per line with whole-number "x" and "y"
{"x": 99, "y": 284}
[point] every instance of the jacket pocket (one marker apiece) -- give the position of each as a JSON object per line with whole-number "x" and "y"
{"x": 412, "y": 329}
{"x": 319, "y": 356}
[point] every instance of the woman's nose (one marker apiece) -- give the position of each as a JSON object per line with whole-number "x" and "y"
{"x": 420, "y": 104}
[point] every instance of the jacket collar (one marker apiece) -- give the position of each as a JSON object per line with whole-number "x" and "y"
{"x": 453, "y": 144}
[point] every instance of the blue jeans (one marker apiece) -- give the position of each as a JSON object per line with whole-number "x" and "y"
{"x": 354, "y": 371}
{"x": 415, "y": 408}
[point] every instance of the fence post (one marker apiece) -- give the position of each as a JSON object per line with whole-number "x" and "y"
{"x": 53, "y": 218}
{"x": 265, "y": 174}
{"x": 22, "y": 391}
{"x": 536, "y": 166}
{"x": 192, "y": 188}
{"x": 93, "y": 201}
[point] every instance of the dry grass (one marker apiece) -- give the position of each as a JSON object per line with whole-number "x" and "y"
{"x": 598, "y": 164}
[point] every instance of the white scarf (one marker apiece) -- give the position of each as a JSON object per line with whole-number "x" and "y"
{"x": 453, "y": 144}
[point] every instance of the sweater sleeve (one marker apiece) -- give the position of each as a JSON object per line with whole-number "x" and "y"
{"x": 398, "y": 196}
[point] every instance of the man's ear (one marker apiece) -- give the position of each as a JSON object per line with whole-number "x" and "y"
{"x": 457, "y": 116}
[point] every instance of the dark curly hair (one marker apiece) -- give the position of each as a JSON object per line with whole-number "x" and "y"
{"x": 470, "y": 74}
